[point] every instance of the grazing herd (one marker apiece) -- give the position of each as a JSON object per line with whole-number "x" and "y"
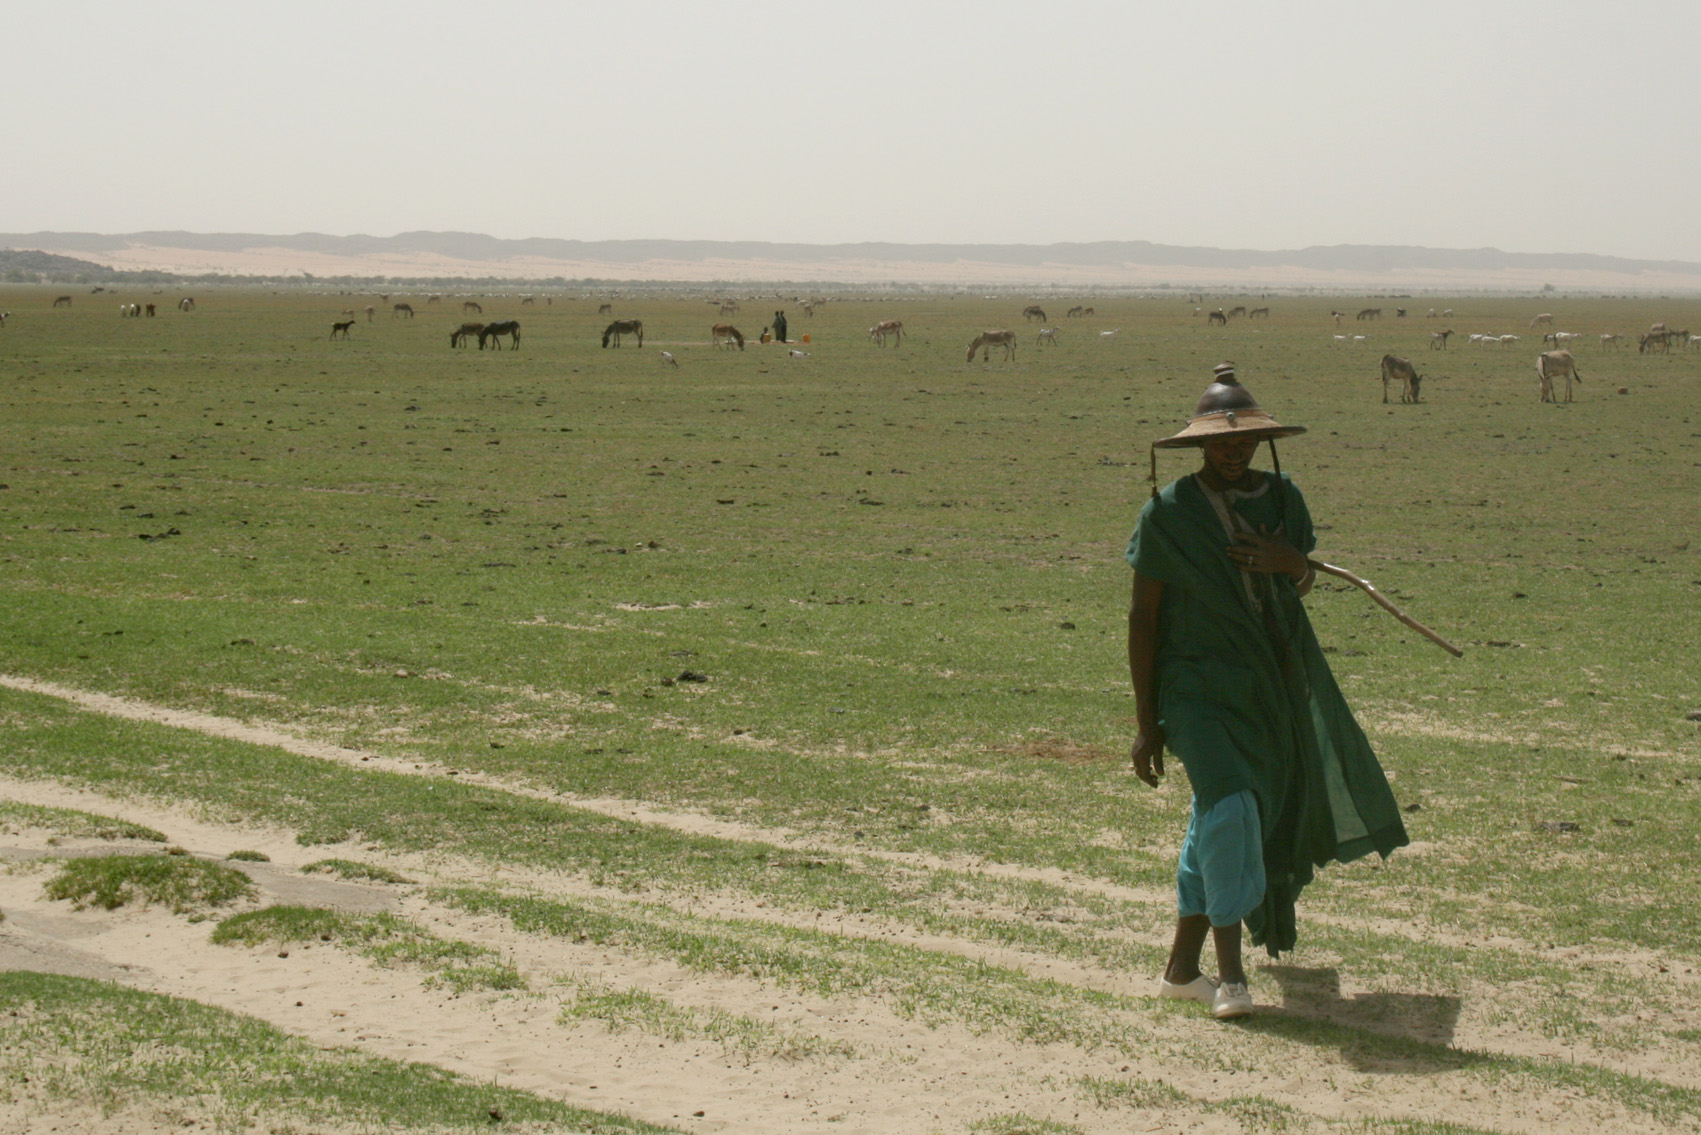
{"x": 1552, "y": 366}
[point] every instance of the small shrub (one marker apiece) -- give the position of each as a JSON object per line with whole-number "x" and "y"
{"x": 245, "y": 856}
{"x": 179, "y": 882}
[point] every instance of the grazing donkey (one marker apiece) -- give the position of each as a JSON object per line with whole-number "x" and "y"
{"x": 986, "y": 340}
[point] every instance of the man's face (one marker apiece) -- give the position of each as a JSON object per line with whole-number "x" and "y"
{"x": 1230, "y": 457}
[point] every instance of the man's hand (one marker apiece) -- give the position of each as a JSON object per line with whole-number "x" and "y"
{"x": 1149, "y": 755}
{"x": 1267, "y": 553}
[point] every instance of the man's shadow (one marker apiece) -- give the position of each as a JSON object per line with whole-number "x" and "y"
{"x": 1389, "y": 1032}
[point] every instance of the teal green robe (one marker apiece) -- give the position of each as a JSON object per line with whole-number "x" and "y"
{"x": 1247, "y": 701}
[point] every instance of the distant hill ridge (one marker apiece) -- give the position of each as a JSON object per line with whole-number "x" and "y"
{"x": 480, "y": 247}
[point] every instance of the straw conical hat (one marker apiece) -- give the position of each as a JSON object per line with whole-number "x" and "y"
{"x": 1227, "y": 408}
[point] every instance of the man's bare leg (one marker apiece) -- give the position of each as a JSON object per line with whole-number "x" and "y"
{"x": 1190, "y": 932}
{"x": 1230, "y": 971}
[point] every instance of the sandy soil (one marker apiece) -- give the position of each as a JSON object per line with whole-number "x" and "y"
{"x": 904, "y": 1077}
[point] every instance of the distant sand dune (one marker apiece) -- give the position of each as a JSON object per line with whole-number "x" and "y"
{"x": 1129, "y": 264}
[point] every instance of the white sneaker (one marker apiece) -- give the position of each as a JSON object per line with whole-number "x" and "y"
{"x": 1201, "y": 989}
{"x": 1232, "y": 1000}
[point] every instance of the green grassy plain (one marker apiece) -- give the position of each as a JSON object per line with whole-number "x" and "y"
{"x": 876, "y": 596}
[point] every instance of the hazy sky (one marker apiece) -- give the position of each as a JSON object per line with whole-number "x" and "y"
{"x": 1560, "y": 126}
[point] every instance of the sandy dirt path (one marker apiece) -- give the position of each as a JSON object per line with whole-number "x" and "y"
{"x": 903, "y": 1077}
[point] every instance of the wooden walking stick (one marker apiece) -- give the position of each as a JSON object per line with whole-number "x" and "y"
{"x": 1365, "y": 585}
{"x": 1369, "y": 589}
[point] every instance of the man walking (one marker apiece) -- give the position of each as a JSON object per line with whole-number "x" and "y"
{"x": 1229, "y": 677}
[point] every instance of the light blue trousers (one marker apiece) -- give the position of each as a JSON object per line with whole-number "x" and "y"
{"x": 1221, "y": 874}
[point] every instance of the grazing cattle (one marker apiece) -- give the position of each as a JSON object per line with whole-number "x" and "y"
{"x": 809, "y": 308}
{"x": 434, "y": 299}
{"x": 1657, "y": 328}
{"x": 1234, "y": 311}
{"x": 62, "y": 301}
{"x": 187, "y": 303}
{"x": 1108, "y": 335}
{"x": 623, "y": 327}
{"x": 1361, "y": 340}
{"x": 667, "y": 357}
{"x": 524, "y": 300}
{"x": 605, "y": 309}
{"x": 150, "y": 310}
{"x": 1555, "y": 364}
{"x": 459, "y": 337}
{"x": 1394, "y": 367}
{"x": 1258, "y": 313}
{"x": 729, "y": 307}
{"x": 1337, "y": 316}
{"x": 1089, "y": 311}
{"x": 1447, "y": 314}
{"x": 1438, "y": 339}
{"x": 1217, "y": 318}
{"x": 1399, "y": 313}
{"x": 472, "y": 306}
{"x": 1339, "y": 340}
{"x": 1611, "y": 339}
{"x": 1047, "y": 335}
{"x": 1075, "y": 312}
{"x": 722, "y": 334}
{"x": 371, "y": 313}
{"x": 402, "y": 309}
{"x": 341, "y": 328}
{"x": 495, "y": 331}
{"x": 1654, "y": 341}
{"x": 1431, "y": 314}
{"x": 891, "y": 327}
{"x": 1563, "y": 339}
{"x": 1033, "y": 311}
{"x": 1545, "y": 319}
{"x": 1369, "y": 313}
{"x": 1681, "y": 338}
{"x": 986, "y": 340}
{"x": 4, "y": 316}
{"x": 385, "y": 298}
{"x": 1505, "y": 339}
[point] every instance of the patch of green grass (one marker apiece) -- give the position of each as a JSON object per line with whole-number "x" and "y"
{"x": 1141, "y": 1093}
{"x": 71, "y": 823}
{"x": 657, "y": 1016}
{"x": 354, "y": 869}
{"x": 383, "y": 938}
{"x": 183, "y": 884}
{"x": 242, "y": 855}
{"x": 102, "y": 1044}
{"x": 1019, "y": 1124}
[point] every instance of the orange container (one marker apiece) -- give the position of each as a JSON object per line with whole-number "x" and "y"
{"x": 806, "y": 338}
